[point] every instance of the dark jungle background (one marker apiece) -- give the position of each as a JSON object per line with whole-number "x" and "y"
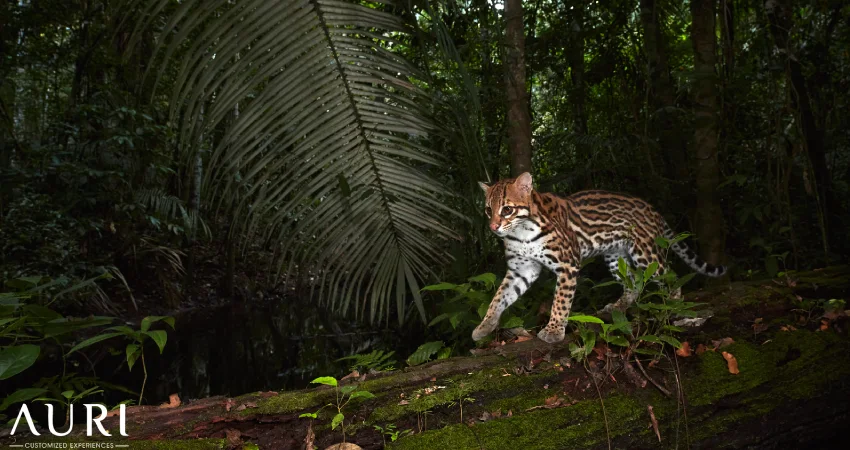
{"x": 218, "y": 197}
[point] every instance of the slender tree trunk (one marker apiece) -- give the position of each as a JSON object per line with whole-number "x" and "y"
{"x": 779, "y": 16}
{"x": 708, "y": 221}
{"x": 519, "y": 117}
{"x": 665, "y": 123}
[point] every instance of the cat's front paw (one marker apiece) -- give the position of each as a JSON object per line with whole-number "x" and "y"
{"x": 483, "y": 329}
{"x": 551, "y": 335}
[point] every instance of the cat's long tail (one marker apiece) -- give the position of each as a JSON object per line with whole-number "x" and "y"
{"x": 691, "y": 258}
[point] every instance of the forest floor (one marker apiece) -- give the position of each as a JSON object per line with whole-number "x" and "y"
{"x": 792, "y": 389}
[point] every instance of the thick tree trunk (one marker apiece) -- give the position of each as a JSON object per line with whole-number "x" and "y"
{"x": 779, "y": 16}
{"x": 519, "y": 117}
{"x": 665, "y": 123}
{"x": 708, "y": 217}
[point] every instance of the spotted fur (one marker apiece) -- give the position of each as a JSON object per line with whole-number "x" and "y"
{"x": 542, "y": 230}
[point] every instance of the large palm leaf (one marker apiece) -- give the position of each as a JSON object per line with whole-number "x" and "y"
{"x": 328, "y": 152}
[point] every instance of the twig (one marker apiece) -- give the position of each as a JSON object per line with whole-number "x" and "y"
{"x": 654, "y": 383}
{"x": 604, "y": 415}
{"x": 681, "y": 390}
{"x": 654, "y": 421}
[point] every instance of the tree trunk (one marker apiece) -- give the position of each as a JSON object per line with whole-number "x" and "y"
{"x": 779, "y": 16}
{"x": 519, "y": 117}
{"x": 665, "y": 124}
{"x": 708, "y": 221}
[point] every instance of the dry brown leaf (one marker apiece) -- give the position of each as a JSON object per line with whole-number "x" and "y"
{"x": 246, "y": 405}
{"x": 824, "y": 325}
{"x": 173, "y": 402}
{"x": 788, "y": 328}
{"x": 353, "y": 374}
{"x": 700, "y": 349}
{"x": 228, "y": 405}
{"x": 344, "y": 446}
{"x": 496, "y": 414}
{"x": 685, "y": 350}
{"x": 485, "y": 416}
{"x": 433, "y": 378}
{"x": 404, "y": 402}
{"x": 720, "y": 343}
{"x": 523, "y": 338}
{"x": 510, "y": 413}
{"x": 553, "y": 400}
{"x": 654, "y": 421}
{"x": 731, "y": 362}
{"x": 234, "y": 437}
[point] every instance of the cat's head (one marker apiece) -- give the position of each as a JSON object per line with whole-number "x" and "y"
{"x": 508, "y": 203}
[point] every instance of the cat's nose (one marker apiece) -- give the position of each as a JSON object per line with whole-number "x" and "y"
{"x": 494, "y": 226}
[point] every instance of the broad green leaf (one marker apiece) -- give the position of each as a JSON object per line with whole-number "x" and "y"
{"x": 618, "y": 316}
{"x": 337, "y": 420}
{"x": 444, "y": 353}
{"x": 93, "y": 340}
{"x": 348, "y": 389}
{"x": 439, "y": 287}
{"x": 438, "y": 319}
{"x": 133, "y": 352}
{"x": 683, "y": 280}
{"x": 623, "y": 269}
{"x": 650, "y": 338}
{"x": 14, "y": 360}
{"x": 361, "y": 394}
{"x": 616, "y": 340}
{"x": 21, "y": 395}
{"x": 150, "y": 320}
{"x": 513, "y": 322}
{"x": 670, "y": 340}
{"x": 424, "y": 352}
{"x": 650, "y": 271}
{"x": 158, "y": 336}
{"x": 330, "y": 381}
{"x": 489, "y": 279}
{"x": 584, "y": 319}
{"x": 482, "y": 310}
{"x": 62, "y": 326}
{"x": 309, "y": 415}
{"x": 661, "y": 242}
{"x": 68, "y": 394}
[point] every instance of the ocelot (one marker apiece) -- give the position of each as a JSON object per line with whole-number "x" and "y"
{"x": 544, "y": 230}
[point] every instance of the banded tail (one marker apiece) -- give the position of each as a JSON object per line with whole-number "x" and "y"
{"x": 691, "y": 259}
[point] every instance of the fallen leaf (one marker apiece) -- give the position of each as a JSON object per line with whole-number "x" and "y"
{"x": 685, "y": 350}
{"x": 824, "y": 325}
{"x": 553, "y": 400}
{"x": 546, "y": 386}
{"x": 720, "y": 343}
{"x": 700, "y": 349}
{"x": 731, "y": 362}
{"x": 228, "y": 404}
{"x": 404, "y": 402}
{"x": 353, "y": 374}
{"x": 485, "y": 417}
{"x": 433, "y": 378}
{"x": 654, "y": 422}
{"x": 496, "y": 414}
{"x": 523, "y": 338}
{"x": 246, "y": 405}
{"x": 510, "y": 413}
{"x": 173, "y": 402}
{"x": 344, "y": 446}
{"x": 788, "y": 328}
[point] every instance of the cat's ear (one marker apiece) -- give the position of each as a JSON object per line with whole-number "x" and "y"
{"x": 523, "y": 182}
{"x": 484, "y": 186}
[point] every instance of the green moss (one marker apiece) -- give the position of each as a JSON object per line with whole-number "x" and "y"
{"x": 291, "y": 402}
{"x": 581, "y": 425}
{"x": 460, "y": 387}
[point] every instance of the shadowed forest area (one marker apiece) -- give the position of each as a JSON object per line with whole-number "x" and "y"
{"x": 236, "y": 201}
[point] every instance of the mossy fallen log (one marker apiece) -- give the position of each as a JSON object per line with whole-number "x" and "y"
{"x": 793, "y": 390}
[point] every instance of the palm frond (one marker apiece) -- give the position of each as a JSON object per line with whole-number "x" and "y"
{"x": 327, "y": 153}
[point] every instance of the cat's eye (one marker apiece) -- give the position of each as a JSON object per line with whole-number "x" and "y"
{"x": 507, "y": 211}
{"x": 488, "y": 211}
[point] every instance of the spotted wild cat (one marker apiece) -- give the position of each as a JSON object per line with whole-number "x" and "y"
{"x": 542, "y": 230}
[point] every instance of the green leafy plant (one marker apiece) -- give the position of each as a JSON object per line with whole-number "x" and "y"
{"x": 392, "y": 432}
{"x": 377, "y": 360}
{"x": 427, "y": 351}
{"x": 344, "y": 395}
{"x": 67, "y": 398}
{"x": 137, "y": 340}
{"x": 28, "y": 324}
